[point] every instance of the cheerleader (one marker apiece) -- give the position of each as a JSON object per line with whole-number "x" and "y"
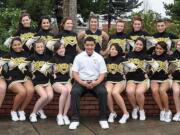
{"x": 17, "y": 80}
{"x": 119, "y": 37}
{"x": 3, "y": 85}
{"x": 61, "y": 82}
{"x": 93, "y": 31}
{"x": 160, "y": 82}
{"x": 116, "y": 82}
{"x": 25, "y": 31}
{"x": 176, "y": 80}
{"x": 44, "y": 32}
{"x": 40, "y": 80}
{"x": 137, "y": 31}
{"x": 69, "y": 38}
{"x": 137, "y": 81}
{"x": 163, "y": 35}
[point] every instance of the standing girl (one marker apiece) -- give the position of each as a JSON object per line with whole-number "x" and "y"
{"x": 69, "y": 38}
{"x": 93, "y": 31}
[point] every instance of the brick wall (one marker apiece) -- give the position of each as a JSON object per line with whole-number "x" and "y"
{"x": 89, "y": 105}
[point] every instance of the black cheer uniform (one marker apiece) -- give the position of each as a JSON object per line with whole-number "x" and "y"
{"x": 162, "y": 73}
{"x": 70, "y": 41}
{"x": 38, "y": 60}
{"x": 119, "y": 38}
{"x": 115, "y": 69}
{"x": 61, "y": 69}
{"x": 97, "y": 36}
{"x": 139, "y": 59}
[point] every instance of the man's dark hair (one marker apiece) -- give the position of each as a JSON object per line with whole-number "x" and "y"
{"x": 89, "y": 39}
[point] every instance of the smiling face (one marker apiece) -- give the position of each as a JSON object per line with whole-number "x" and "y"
{"x": 39, "y": 48}
{"x": 61, "y": 50}
{"x": 137, "y": 25}
{"x": 68, "y": 25}
{"x": 93, "y": 23}
{"x": 89, "y": 47}
{"x": 26, "y": 21}
{"x": 159, "y": 50}
{"x": 161, "y": 27}
{"x": 138, "y": 46}
{"x": 45, "y": 24}
{"x": 17, "y": 46}
{"x": 120, "y": 27}
{"x": 113, "y": 52}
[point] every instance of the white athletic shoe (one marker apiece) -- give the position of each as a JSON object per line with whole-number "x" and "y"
{"x": 142, "y": 115}
{"x": 135, "y": 113}
{"x": 33, "y": 117}
{"x": 60, "y": 120}
{"x": 176, "y": 117}
{"x": 66, "y": 120}
{"x": 22, "y": 116}
{"x": 73, "y": 125}
{"x": 162, "y": 116}
{"x": 124, "y": 118}
{"x": 168, "y": 116}
{"x": 104, "y": 124}
{"x": 41, "y": 114}
{"x": 14, "y": 116}
{"x": 112, "y": 116}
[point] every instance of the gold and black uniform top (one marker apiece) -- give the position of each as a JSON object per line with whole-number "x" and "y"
{"x": 16, "y": 58}
{"x": 115, "y": 68}
{"x": 46, "y": 36}
{"x": 25, "y": 34}
{"x": 119, "y": 38}
{"x": 61, "y": 68}
{"x": 165, "y": 37}
{"x": 133, "y": 35}
{"x": 162, "y": 72}
{"x": 97, "y": 36}
{"x": 139, "y": 59}
{"x": 70, "y": 41}
{"x": 175, "y": 59}
{"x": 37, "y": 61}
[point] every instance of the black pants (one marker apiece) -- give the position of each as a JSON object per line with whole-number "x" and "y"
{"x": 76, "y": 93}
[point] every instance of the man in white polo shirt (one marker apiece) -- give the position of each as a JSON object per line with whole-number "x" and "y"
{"x": 89, "y": 70}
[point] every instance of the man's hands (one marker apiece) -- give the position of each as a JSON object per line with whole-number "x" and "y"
{"x": 89, "y": 84}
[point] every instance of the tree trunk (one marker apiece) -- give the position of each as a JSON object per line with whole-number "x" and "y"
{"x": 70, "y": 10}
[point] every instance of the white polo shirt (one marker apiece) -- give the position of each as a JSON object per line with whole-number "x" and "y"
{"x": 89, "y": 67}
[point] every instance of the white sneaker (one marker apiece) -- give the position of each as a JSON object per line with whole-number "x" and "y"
{"x": 162, "y": 116}
{"x": 22, "y": 116}
{"x": 112, "y": 116}
{"x": 41, "y": 114}
{"x": 135, "y": 113}
{"x": 176, "y": 117}
{"x": 124, "y": 118}
{"x": 168, "y": 116}
{"x": 104, "y": 124}
{"x": 73, "y": 125}
{"x": 14, "y": 116}
{"x": 66, "y": 120}
{"x": 33, "y": 117}
{"x": 142, "y": 115}
{"x": 60, "y": 120}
